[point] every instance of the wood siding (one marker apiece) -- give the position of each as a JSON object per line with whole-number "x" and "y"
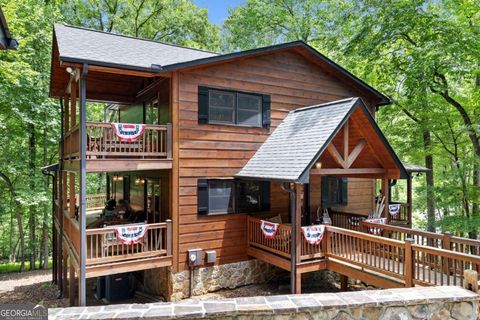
{"x": 209, "y": 151}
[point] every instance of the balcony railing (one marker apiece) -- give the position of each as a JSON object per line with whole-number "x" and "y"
{"x": 103, "y": 246}
{"x": 102, "y": 143}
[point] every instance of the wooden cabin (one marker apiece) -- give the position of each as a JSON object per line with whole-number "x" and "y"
{"x": 196, "y": 149}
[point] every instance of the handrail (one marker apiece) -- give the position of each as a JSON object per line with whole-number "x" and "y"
{"x": 103, "y": 246}
{"x": 427, "y": 238}
{"x": 402, "y": 259}
{"x": 102, "y": 142}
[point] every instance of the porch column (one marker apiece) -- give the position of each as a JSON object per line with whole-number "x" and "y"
{"x": 409, "y": 200}
{"x": 385, "y": 193}
{"x": 82, "y": 188}
{"x": 298, "y": 235}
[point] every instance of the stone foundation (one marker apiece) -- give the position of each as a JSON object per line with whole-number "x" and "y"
{"x": 435, "y": 303}
{"x": 226, "y": 276}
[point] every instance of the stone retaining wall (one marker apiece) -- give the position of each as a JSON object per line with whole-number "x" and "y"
{"x": 402, "y": 304}
{"x": 225, "y": 276}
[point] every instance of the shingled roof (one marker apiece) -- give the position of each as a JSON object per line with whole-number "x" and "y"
{"x": 81, "y": 45}
{"x": 300, "y": 139}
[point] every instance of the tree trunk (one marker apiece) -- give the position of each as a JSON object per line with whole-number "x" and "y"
{"x": 427, "y": 142}
{"x": 18, "y": 212}
{"x": 31, "y": 217}
{"x": 44, "y": 249}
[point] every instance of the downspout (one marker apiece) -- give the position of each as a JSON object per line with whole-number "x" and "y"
{"x": 293, "y": 235}
{"x": 60, "y": 198}
{"x": 54, "y": 255}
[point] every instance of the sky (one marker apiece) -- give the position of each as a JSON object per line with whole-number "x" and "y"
{"x": 218, "y": 9}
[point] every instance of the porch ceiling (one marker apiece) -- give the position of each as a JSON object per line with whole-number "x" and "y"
{"x": 342, "y": 135}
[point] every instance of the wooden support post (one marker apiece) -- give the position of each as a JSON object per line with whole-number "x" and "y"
{"x": 447, "y": 245}
{"x": 343, "y": 282}
{"x": 385, "y": 188}
{"x": 298, "y": 236}
{"x": 66, "y": 119}
{"x": 408, "y": 263}
{"x": 71, "y": 194}
{"x": 71, "y": 284}
{"x": 64, "y": 270}
{"x": 409, "y": 200}
{"x": 73, "y": 104}
{"x": 82, "y": 212}
{"x": 169, "y": 237}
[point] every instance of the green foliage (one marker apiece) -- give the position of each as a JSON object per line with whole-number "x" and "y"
{"x": 424, "y": 54}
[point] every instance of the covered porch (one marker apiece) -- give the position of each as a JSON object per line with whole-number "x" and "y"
{"x": 323, "y": 147}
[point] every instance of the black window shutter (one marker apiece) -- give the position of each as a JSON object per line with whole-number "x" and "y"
{"x": 266, "y": 111}
{"x": 202, "y": 196}
{"x": 265, "y": 195}
{"x": 325, "y": 191}
{"x": 344, "y": 190}
{"x": 202, "y": 105}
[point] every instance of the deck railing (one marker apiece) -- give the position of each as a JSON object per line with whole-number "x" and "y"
{"x": 403, "y": 216}
{"x": 103, "y": 246}
{"x": 280, "y": 245}
{"x": 346, "y": 220}
{"x": 155, "y": 142}
{"x": 404, "y": 259}
{"x": 424, "y": 238}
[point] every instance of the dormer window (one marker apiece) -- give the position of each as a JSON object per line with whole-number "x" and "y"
{"x": 228, "y": 107}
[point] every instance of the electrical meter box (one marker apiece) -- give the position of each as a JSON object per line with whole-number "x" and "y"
{"x": 195, "y": 257}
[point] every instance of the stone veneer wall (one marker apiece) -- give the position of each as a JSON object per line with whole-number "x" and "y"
{"x": 226, "y": 276}
{"x": 435, "y": 303}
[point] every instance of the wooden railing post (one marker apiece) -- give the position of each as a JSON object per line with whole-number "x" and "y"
{"x": 408, "y": 263}
{"x": 447, "y": 245}
{"x": 325, "y": 241}
{"x": 169, "y": 237}
{"x": 169, "y": 141}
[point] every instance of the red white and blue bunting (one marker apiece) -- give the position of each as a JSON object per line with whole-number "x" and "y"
{"x": 128, "y": 132}
{"x": 394, "y": 209}
{"x": 313, "y": 234}
{"x": 131, "y": 234}
{"x": 269, "y": 229}
{"x": 374, "y": 230}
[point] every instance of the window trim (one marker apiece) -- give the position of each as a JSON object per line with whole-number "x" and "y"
{"x": 263, "y": 100}
{"x": 264, "y": 202}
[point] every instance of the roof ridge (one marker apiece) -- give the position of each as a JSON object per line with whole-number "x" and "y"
{"x": 321, "y": 105}
{"x": 134, "y": 38}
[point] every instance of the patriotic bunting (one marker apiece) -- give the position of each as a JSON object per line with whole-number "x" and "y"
{"x": 128, "y": 132}
{"x": 269, "y": 229}
{"x": 394, "y": 209}
{"x": 131, "y": 234}
{"x": 313, "y": 234}
{"x": 374, "y": 230}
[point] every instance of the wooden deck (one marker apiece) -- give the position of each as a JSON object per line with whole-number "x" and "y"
{"x": 377, "y": 260}
{"x": 105, "y": 152}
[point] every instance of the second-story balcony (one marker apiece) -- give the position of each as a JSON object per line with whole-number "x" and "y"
{"x": 105, "y": 151}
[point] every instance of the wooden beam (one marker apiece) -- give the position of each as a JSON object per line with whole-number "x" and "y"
{"x": 280, "y": 262}
{"x": 346, "y": 172}
{"x": 345, "y": 140}
{"x": 298, "y": 236}
{"x": 175, "y": 165}
{"x": 71, "y": 194}
{"x": 336, "y": 155}
{"x": 385, "y": 193}
{"x": 355, "y": 153}
{"x": 116, "y": 70}
{"x": 127, "y": 266}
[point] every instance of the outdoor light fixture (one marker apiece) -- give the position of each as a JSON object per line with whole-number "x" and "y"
{"x": 318, "y": 165}
{"x": 117, "y": 178}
